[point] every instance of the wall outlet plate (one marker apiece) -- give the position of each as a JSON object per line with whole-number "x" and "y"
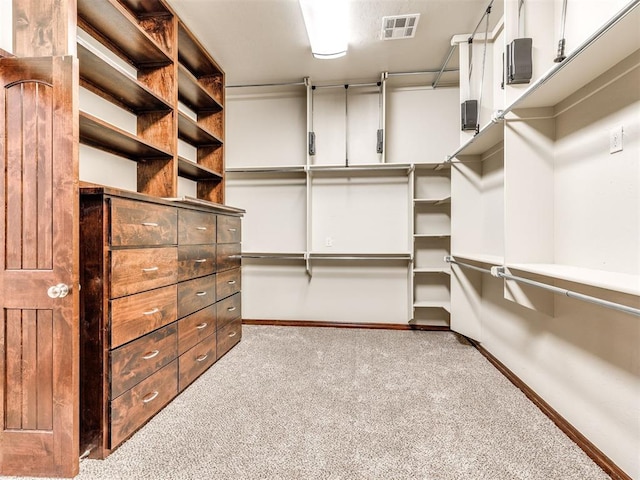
{"x": 615, "y": 139}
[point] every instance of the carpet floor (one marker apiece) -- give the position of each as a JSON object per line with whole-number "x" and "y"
{"x": 323, "y": 403}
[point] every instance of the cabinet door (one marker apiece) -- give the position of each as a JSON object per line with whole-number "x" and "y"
{"x": 39, "y": 335}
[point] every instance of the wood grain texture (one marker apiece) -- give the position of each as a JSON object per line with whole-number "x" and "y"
{"x": 228, "y": 336}
{"x": 196, "y": 228}
{"x": 136, "y": 315}
{"x": 229, "y": 229}
{"x": 194, "y": 328}
{"x": 133, "y": 224}
{"x": 228, "y": 256}
{"x": 43, "y": 29}
{"x": 196, "y": 294}
{"x": 229, "y": 309}
{"x": 131, "y": 410}
{"x": 228, "y": 283}
{"x": 135, "y": 361}
{"x": 196, "y": 360}
{"x": 140, "y": 269}
{"x": 196, "y": 261}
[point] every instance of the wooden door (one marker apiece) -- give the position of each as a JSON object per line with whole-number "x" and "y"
{"x": 39, "y": 335}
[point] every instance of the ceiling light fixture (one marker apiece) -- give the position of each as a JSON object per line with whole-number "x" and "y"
{"x": 327, "y": 23}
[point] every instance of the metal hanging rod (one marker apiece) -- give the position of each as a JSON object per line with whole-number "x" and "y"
{"x": 423, "y": 72}
{"x": 281, "y": 84}
{"x": 444, "y": 66}
{"x": 500, "y": 272}
{"x": 283, "y": 256}
{"x": 347, "y": 85}
{"x": 450, "y": 259}
{"x": 358, "y": 257}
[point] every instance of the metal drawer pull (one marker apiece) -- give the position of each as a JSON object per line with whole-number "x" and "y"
{"x": 202, "y": 358}
{"x": 201, "y": 228}
{"x": 150, "y": 396}
{"x": 231, "y": 282}
{"x": 151, "y": 312}
{"x": 231, "y": 309}
{"x": 151, "y": 354}
{"x": 233, "y": 229}
{"x": 149, "y": 224}
{"x": 150, "y": 269}
{"x": 200, "y": 294}
{"x": 201, "y": 326}
{"x": 201, "y": 260}
{"x": 232, "y": 334}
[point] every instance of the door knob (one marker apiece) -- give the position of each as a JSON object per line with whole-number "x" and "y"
{"x": 60, "y": 290}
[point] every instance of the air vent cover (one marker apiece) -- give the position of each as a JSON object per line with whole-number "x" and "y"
{"x": 399, "y": 26}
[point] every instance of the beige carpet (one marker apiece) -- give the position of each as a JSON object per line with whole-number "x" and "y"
{"x": 311, "y": 403}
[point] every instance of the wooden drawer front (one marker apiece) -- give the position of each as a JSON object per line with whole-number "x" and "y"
{"x": 140, "y": 223}
{"x": 196, "y": 360}
{"x": 196, "y": 228}
{"x": 229, "y": 229}
{"x": 228, "y": 283}
{"x": 228, "y": 336}
{"x": 135, "y": 361}
{"x": 139, "y": 314}
{"x": 134, "y": 407}
{"x": 196, "y": 261}
{"x": 228, "y": 256}
{"x": 196, "y": 327}
{"x": 137, "y": 270}
{"x": 196, "y": 294}
{"x": 228, "y": 309}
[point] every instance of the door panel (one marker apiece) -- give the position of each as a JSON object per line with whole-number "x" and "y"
{"x": 39, "y": 335}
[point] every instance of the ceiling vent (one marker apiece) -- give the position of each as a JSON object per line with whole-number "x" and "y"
{"x": 399, "y": 26}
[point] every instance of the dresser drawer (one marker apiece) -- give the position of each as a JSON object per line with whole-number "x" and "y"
{"x": 228, "y": 336}
{"x": 228, "y": 256}
{"x": 196, "y": 227}
{"x": 228, "y": 283}
{"x": 228, "y": 309}
{"x": 196, "y": 327}
{"x": 134, "y": 407}
{"x": 135, "y": 361}
{"x": 196, "y": 261}
{"x": 229, "y": 229}
{"x": 140, "y": 223}
{"x": 141, "y": 269}
{"x": 135, "y": 315}
{"x": 196, "y": 360}
{"x": 196, "y": 294}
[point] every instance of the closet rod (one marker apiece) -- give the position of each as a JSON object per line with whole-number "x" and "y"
{"x": 300, "y": 169}
{"x": 449, "y": 259}
{"x": 545, "y": 78}
{"x": 444, "y": 65}
{"x": 423, "y": 72}
{"x": 345, "y": 85}
{"x": 499, "y": 272}
{"x": 281, "y": 84}
{"x": 273, "y": 255}
{"x": 362, "y": 257}
{"x": 486, "y": 12}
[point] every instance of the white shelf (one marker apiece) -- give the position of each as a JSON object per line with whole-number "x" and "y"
{"x": 431, "y": 235}
{"x": 443, "y": 305}
{"x": 359, "y": 256}
{"x": 618, "y": 282}
{"x": 488, "y": 136}
{"x": 268, "y": 170}
{"x": 432, "y": 201}
{"x": 275, "y": 255}
{"x": 363, "y": 169}
{"x": 444, "y": 271}
{"x": 487, "y": 259}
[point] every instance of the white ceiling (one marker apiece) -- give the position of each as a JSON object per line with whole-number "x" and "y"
{"x": 265, "y": 41}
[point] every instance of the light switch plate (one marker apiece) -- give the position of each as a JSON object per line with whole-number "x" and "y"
{"x": 615, "y": 139}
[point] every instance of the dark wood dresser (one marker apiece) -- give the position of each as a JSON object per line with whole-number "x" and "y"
{"x": 160, "y": 303}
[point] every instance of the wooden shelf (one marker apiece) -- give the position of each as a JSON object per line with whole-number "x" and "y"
{"x": 120, "y": 29}
{"x": 110, "y": 79}
{"x": 193, "y": 55}
{"x": 191, "y": 132}
{"x": 99, "y": 134}
{"x": 146, "y": 7}
{"x": 192, "y": 94}
{"x": 617, "y": 282}
{"x": 194, "y": 171}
